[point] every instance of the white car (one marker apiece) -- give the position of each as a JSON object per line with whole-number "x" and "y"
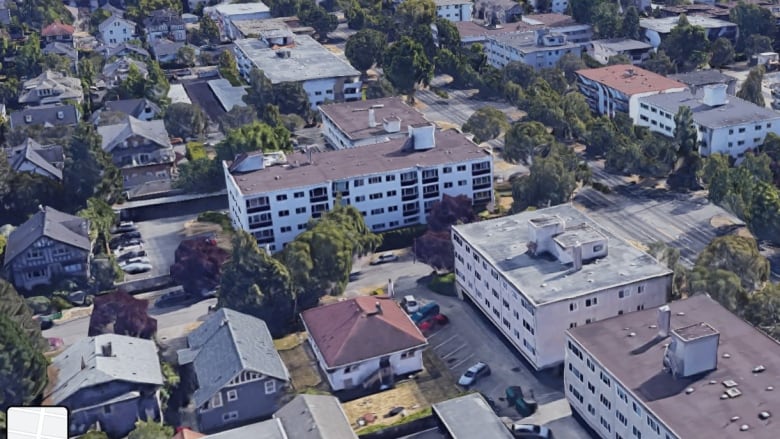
{"x": 137, "y": 247}
{"x": 531, "y": 431}
{"x": 137, "y": 259}
{"x": 410, "y": 304}
{"x": 385, "y": 257}
{"x": 136, "y": 268}
{"x": 473, "y": 373}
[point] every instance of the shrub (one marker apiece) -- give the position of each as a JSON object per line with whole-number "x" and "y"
{"x": 444, "y": 284}
{"x": 195, "y": 151}
{"x": 60, "y": 303}
{"x": 601, "y": 187}
{"x": 39, "y": 304}
{"x": 216, "y": 218}
{"x": 400, "y": 238}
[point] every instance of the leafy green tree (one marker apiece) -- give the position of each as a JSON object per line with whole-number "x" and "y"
{"x": 228, "y": 68}
{"x": 356, "y": 17}
{"x": 209, "y": 31}
{"x": 365, "y": 48}
{"x": 751, "y": 19}
{"x": 291, "y": 98}
{"x": 738, "y": 255}
{"x": 318, "y": 18}
{"x": 755, "y": 44}
{"x": 255, "y": 137}
{"x": 406, "y": 66}
{"x": 134, "y": 86}
{"x": 686, "y": 45}
{"x": 715, "y": 175}
{"x": 763, "y": 310}
{"x": 584, "y": 10}
{"x": 630, "y": 26}
{"x": 101, "y": 218}
{"x": 607, "y": 20}
{"x": 751, "y": 88}
{"x": 659, "y": 62}
{"x": 95, "y": 434}
{"x": 201, "y": 175}
{"x": 519, "y": 73}
{"x": 448, "y": 35}
{"x": 89, "y": 171}
{"x": 722, "y": 53}
{"x": 486, "y": 123}
{"x": 602, "y": 136}
{"x": 765, "y": 212}
{"x": 237, "y": 117}
{"x": 29, "y": 57}
{"x": 526, "y": 139}
{"x": 413, "y": 13}
{"x": 722, "y": 285}
{"x": 186, "y": 56}
{"x": 576, "y": 113}
{"x": 260, "y": 92}
{"x": 185, "y": 120}
{"x": 22, "y": 366}
{"x": 14, "y": 306}
{"x": 150, "y": 430}
{"x": 569, "y": 64}
{"x": 255, "y": 283}
{"x": 381, "y": 88}
{"x": 685, "y": 133}
{"x": 551, "y": 181}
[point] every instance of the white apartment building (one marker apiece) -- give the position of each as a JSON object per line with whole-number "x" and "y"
{"x": 726, "y": 124}
{"x": 537, "y": 274}
{"x": 618, "y": 88}
{"x": 454, "y": 10}
{"x": 323, "y": 75}
{"x": 393, "y": 184}
{"x": 537, "y": 49}
{"x": 116, "y": 30}
{"x": 656, "y": 29}
{"x": 360, "y": 123}
{"x": 687, "y": 370}
{"x": 226, "y": 14}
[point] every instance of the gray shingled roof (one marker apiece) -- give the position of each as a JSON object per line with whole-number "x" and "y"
{"x": 56, "y": 225}
{"x": 48, "y": 115}
{"x": 270, "y": 429}
{"x": 122, "y": 66}
{"x": 111, "y": 52}
{"x": 153, "y": 130}
{"x": 315, "y": 417}
{"x": 226, "y": 344}
{"x": 33, "y": 152}
{"x": 470, "y": 416}
{"x": 131, "y": 359}
{"x": 66, "y": 87}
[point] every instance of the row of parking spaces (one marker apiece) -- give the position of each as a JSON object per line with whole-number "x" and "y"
{"x": 452, "y": 349}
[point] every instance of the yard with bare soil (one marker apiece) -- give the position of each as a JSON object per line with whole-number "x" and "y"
{"x": 300, "y": 364}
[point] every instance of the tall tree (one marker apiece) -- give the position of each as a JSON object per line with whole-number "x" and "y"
{"x": 101, "y": 218}
{"x": 413, "y": 13}
{"x": 122, "y": 314}
{"x": 22, "y": 366}
{"x": 434, "y": 247}
{"x": 659, "y": 62}
{"x": 381, "y": 88}
{"x": 755, "y": 44}
{"x": 552, "y": 181}
{"x": 317, "y": 17}
{"x": 630, "y": 26}
{"x": 365, "y": 48}
{"x": 486, "y": 123}
{"x": 685, "y": 133}
{"x": 739, "y": 255}
{"x": 186, "y": 56}
{"x": 751, "y": 89}
{"x": 525, "y": 139}
{"x": 607, "y": 20}
{"x": 448, "y": 35}
{"x": 185, "y": 120}
{"x": 13, "y": 306}
{"x": 228, "y": 68}
{"x": 406, "y": 66}
{"x": 569, "y": 64}
{"x": 255, "y": 137}
{"x": 751, "y": 19}
{"x": 209, "y": 31}
{"x": 89, "y": 171}
{"x": 150, "y": 430}
{"x": 722, "y": 53}
{"x": 686, "y": 45}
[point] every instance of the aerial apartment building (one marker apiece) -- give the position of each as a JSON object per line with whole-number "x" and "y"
{"x": 393, "y": 184}
{"x": 536, "y": 274}
{"x": 687, "y": 370}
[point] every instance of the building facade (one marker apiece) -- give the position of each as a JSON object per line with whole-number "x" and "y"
{"x": 454, "y": 10}
{"x": 164, "y": 23}
{"x": 533, "y": 275}
{"x": 115, "y": 30}
{"x": 657, "y": 29}
{"x": 618, "y": 88}
{"x": 538, "y": 50}
{"x": 602, "y": 50}
{"x": 648, "y": 374}
{"x": 226, "y": 14}
{"x": 394, "y": 184}
{"x": 725, "y": 124}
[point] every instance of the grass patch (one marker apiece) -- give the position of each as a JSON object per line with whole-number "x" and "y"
{"x": 405, "y": 394}
{"x": 289, "y": 341}
{"x": 196, "y": 151}
{"x": 303, "y": 370}
{"x": 443, "y": 284}
{"x": 413, "y": 417}
{"x": 217, "y": 218}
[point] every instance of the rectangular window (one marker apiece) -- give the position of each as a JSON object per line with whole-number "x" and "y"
{"x": 461, "y": 168}
{"x": 572, "y": 306}
{"x": 447, "y": 184}
{"x": 229, "y": 416}
{"x": 298, "y": 195}
{"x": 232, "y": 395}
{"x": 270, "y": 387}
{"x": 281, "y": 197}
{"x": 216, "y": 400}
{"x": 379, "y": 211}
{"x": 300, "y": 210}
{"x": 360, "y": 198}
{"x": 375, "y": 196}
{"x": 285, "y": 229}
{"x": 462, "y": 182}
{"x": 284, "y": 213}
{"x": 392, "y": 208}
{"x": 447, "y": 169}
{"x": 358, "y": 182}
{"x": 374, "y": 180}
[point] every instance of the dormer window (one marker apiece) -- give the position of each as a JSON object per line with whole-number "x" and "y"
{"x": 60, "y": 115}
{"x": 28, "y": 118}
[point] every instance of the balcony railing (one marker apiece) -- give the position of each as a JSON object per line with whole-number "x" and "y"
{"x": 261, "y": 208}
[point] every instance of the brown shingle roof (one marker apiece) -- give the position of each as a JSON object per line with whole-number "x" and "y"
{"x": 357, "y": 329}
{"x": 629, "y": 79}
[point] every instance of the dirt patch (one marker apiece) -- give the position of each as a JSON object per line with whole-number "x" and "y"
{"x": 446, "y": 125}
{"x": 506, "y": 203}
{"x": 289, "y": 341}
{"x": 719, "y": 221}
{"x": 406, "y": 394}
{"x": 197, "y": 228}
{"x": 302, "y": 367}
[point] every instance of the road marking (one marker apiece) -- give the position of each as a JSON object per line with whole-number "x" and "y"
{"x": 461, "y": 361}
{"x": 444, "y": 357}
{"x": 434, "y": 335}
{"x": 444, "y": 342}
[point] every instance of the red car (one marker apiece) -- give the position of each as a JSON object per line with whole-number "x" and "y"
{"x": 433, "y": 322}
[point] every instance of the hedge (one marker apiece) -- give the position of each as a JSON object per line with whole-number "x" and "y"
{"x": 401, "y": 238}
{"x": 196, "y": 151}
{"x": 444, "y": 284}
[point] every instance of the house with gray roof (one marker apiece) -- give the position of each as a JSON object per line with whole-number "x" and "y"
{"x": 141, "y": 149}
{"x": 125, "y": 49}
{"x": 238, "y": 374}
{"x": 109, "y": 380}
{"x": 47, "y": 247}
{"x": 51, "y": 87}
{"x": 315, "y": 417}
{"x": 117, "y": 71}
{"x": 33, "y": 157}
{"x": 62, "y": 49}
{"x": 165, "y": 50}
{"x": 142, "y": 109}
{"x": 46, "y": 115}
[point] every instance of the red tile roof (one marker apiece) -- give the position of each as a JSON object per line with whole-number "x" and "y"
{"x": 629, "y": 79}
{"x": 57, "y": 28}
{"x": 359, "y": 329}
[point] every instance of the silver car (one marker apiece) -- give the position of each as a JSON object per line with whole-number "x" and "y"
{"x": 473, "y": 373}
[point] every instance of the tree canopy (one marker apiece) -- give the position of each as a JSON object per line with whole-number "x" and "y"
{"x": 486, "y": 123}
{"x": 552, "y": 179}
{"x": 434, "y": 247}
{"x": 687, "y": 45}
{"x": 365, "y": 48}
{"x": 406, "y": 65}
{"x": 185, "y": 120}
{"x": 256, "y": 136}
{"x": 751, "y": 88}
{"x": 526, "y": 139}
{"x": 150, "y": 430}
{"x": 122, "y": 314}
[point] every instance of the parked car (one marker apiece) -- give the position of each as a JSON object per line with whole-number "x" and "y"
{"x": 131, "y": 235}
{"x": 136, "y": 260}
{"x": 124, "y": 226}
{"x": 385, "y": 257}
{"x": 129, "y": 248}
{"x": 433, "y": 322}
{"x": 136, "y": 268}
{"x": 130, "y": 255}
{"x": 80, "y": 298}
{"x": 122, "y": 241}
{"x": 173, "y": 298}
{"x": 530, "y": 431}
{"x": 425, "y": 312}
{"x": 410, "y": 304}
{"x": 473, "y": 373}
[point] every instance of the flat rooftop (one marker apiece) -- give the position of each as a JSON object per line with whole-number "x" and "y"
{"x": 622, "y": 44}
{"x": 268, "y": 27}
{"x": 470, "y": 416}
{"x": 703, "y": 77}
{"x": 228, "y": 9}
{"x": 451, "y": 2}
{"x": 227, "y": 95}
{"x": 636, "y": 362}
{"x": 735, "y": 111}
{"x": 526, "y": 42}
{"x": 549, "y": 20}
{"x": 504, "y": 242}
{"x": 665, "y": 25}
{"x": 451, "y": 147}
{"x": 308, "y": 60}
{"x": 629, "y": 79}
{"x": 470, "y": 29}
{"x": 352, "y": 117}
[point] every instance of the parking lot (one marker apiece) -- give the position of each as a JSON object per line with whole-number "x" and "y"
{"x": 469, "y": 338}
{"x": 161, "y": 237}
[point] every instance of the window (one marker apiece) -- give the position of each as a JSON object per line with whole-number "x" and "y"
{"x": 742, "y": 130}
{"x": 232, "y": 395}
{"x": 284, "y": 213}
{"x": 597, "y": 248}
{"x": 640, "y": 289}
{"x": 281, "y": 197}
{"x": 408, "y": 354}
{"x": 392, "y": 208}
{"x": 389, "y": 177}
{"x": 605, "y": 424}
{"x": 636, "y": 408}
{"x": 379, "y": 211}
{"x": 621, "y": 417}
{"x": 572, "y": 325}
{"x": 229, "y": 416}
{"x": 374, "y": 180}
{"x": 621, "y": 294}
{"x": 285, "y": 229}
{"x": 572, "y": 306}
{"x": 605, "y": 379}
{"x": 462, "y": 182}
{"x": 447, "y": 169}
{"x": 591, "y": 410}
{"x": 107, "y": 409}
{"x": 375, "y": 196}
{"x": 637, "y": 433}
{"x": 270, "y": 387}
{"x": 447, "y": 184}
{"x": 300, "y": 210}
{"x": 360, "y": 198}
{"x": 591, "y": 302}
{"x": 605, "y": 402}
{"x": 358, "y": 182}
{"x": 301, "y": 226}
{"x": 592, "y": 388}
{"x": 216, "y": 400}
{"x": 461, "y": 168}
{"x": 731, "y": 131}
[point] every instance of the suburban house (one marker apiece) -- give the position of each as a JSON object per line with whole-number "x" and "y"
{"x": 648, "y": 374}
{"x": 115, "y": 72}
{"x": 164, "y": 23}
{"x": 617, "y": 88}
{"x": 115, "y": 30}
{"x": 125, "y": 49}
{"x": 471, "y": 32}
{"x": 46, "y": 116}
{"x": 498, "y": 11}
{"x": 141, "y": 109}
{"x": 58, "y": 31}
{"x": 141, "y": 149}
{"x": 536, "y": 274}
{"x": 364, "y": 342}
{"x": 322, "y": 74}
{"x": 725, "y": 124}
{"x": 226, "y": 14}
{"x": 62, "y": 49}
{"x": 238, "y": 374}
{"x": 51, "y": 87}
{"x": 165, "y": 50}
{"x": 108, "y": 380}
{"x": 656, "y": 29}
{"x": 602, "y": 50}
{"x": 48, "y": 246}
{"x": 454, "y": 10}
{"x": 33, "y": 157}
{"x": 315, "y": 417}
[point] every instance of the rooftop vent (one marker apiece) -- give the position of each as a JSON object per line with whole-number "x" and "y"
{"x": 106, "y": 350}
{"x": 664, "y": 320}
{"x": 693, "y": 350}
{"x": 714, "y": 95}
{"x": 423, "y": 137}
{"x": 371, "y": 118}
{"x": 391, "y": 124}
{"x": 764, "y": 416}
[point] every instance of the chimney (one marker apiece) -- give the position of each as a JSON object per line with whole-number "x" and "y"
{"x": 576, "y": 257}
{"x": 378, "y": 307}
{"x": 371, "y": 118}
{"x": 308, "y": 152}
{"x": 83, "y": 364}
{"x": 390, "y": 288}
{"x": 664, "y": 321}
{"x": 106, "y": 349}
{"x": 714, "y": 95}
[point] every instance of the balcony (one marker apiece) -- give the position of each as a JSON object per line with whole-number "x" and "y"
{"x": 429, "y": 195}
{"x": 480, "y": 171}
{"x": 429, "y": 179}
{"x": 260, "y": 224}
{"x": 411, "y": 196}
{"x": 260, "y": 208}
{"x": 411, "y": 212}
{"x": 319, "y": 198}
{"x": 408, "y": 182}
{"x": 481, "y": 185}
